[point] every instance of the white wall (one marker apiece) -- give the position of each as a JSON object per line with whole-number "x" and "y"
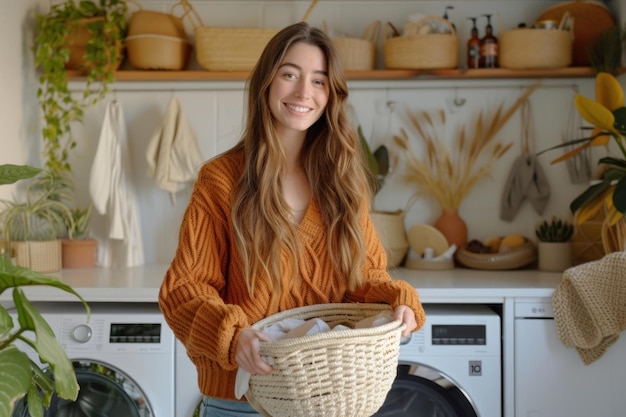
{"x": 18, "y": 104}
{"x": 214, "y": 111}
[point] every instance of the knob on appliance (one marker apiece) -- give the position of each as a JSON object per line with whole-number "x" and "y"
{"x": 82, "y": 333}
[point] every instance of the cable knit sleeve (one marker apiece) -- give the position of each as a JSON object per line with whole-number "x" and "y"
{"x": 378, "y": 286}
{"x": 192, "y": 294}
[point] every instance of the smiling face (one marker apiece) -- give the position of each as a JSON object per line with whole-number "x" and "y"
{"x": 299, "y": 92}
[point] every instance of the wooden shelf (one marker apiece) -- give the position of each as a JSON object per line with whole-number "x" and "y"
{"x": 483, "y": 73}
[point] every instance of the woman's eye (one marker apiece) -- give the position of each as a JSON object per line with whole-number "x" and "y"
{"x": 320, "y": 82}
{"x": 290, "y": 75}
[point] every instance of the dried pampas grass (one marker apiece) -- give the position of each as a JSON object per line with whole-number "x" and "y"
{"x": 447, "y": 178}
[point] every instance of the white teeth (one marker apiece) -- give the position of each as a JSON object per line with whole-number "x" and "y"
{"x": 298, "y": 109}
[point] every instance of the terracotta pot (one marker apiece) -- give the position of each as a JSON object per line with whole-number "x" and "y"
{"x": 453, "y": 227}
{"x": 79, "y": 253}
{"x": 555, "y": 256}
{"x": 390, "y": 227}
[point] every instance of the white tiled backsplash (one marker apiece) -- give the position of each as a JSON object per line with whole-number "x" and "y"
{"x": 215, "y": 112}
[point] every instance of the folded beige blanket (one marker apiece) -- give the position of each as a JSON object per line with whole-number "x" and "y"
{"x": 590, "y": 305}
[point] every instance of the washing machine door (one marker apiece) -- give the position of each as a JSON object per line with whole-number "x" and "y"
{"x": 104, "y": 392}
{"x": 421, "y": 391}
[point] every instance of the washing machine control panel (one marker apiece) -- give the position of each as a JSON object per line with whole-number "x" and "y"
{"x": 459, "y": 334}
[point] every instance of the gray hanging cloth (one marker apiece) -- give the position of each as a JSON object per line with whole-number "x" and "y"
{"x": 527, "y": 179}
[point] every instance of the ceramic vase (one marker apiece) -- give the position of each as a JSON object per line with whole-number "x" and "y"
{"x": 555, "y": 256}
{"x": 390, "y": 227}
{"x": 453, "y": 227}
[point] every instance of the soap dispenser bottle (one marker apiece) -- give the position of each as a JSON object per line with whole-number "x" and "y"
{"x": 473, "y": 47}
{"x": 445, "y": 16}
{"x": 489, "y": 47}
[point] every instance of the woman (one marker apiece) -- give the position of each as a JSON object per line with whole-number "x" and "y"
{"x": 277, "y": 222}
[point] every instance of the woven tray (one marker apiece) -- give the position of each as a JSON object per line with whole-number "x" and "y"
{"x": 342, "y": 373}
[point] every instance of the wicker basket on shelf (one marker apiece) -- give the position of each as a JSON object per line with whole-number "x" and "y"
{"x": 358, "y": 54}
{"x": 338, "y": 373}
{"x": 416, "y": 50}
{"x": 231, "y": 49}
{"x": 158, "y": 41}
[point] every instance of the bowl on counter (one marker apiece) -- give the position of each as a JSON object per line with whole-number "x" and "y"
{"x": 514, "y": 259}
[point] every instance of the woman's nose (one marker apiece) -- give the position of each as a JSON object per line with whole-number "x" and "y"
{"x": 302, "y": 89}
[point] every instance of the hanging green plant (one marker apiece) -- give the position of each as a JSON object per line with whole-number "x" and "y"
{"x": 84, "y": 36}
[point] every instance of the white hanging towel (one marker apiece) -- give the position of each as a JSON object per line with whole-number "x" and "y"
{"x": 113, "y": 193}
{"x": 173, "y": 154}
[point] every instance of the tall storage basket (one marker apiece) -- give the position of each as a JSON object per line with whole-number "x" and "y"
{"x": 338, "y": 373}
{"x": 421, "y": 51}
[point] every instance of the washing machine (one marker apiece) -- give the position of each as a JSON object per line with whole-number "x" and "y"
{"x": 123, "y": 357}
{"x": 452, "y": 367}
{"x": 188, "y": 399}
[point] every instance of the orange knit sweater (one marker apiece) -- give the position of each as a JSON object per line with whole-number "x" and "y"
{"x": 204, "y": 298}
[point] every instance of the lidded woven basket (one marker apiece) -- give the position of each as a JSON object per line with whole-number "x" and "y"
{"x": 338, "y": 373}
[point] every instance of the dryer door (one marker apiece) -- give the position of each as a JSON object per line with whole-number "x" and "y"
{"x": 421, "y": 391}
{"x": 104, "y": 391}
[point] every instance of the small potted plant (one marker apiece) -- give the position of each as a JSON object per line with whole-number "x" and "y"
{"x": 34, "y": 224}
{"x": 79, "y": 248}
{"x": 75, "y": 35}
{"x": 554, "y": 248}
{"x": 25, "y": 376}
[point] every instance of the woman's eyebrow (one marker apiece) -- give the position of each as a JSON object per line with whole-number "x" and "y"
{"x": 299, "y": 68}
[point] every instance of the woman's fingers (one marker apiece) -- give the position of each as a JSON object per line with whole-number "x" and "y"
{"x": 247, "y": 352}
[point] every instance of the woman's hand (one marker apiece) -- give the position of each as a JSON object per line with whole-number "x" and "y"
{"x": 247, "y": 352}
{"x": 406, "y": 315}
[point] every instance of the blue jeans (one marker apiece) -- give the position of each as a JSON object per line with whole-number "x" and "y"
{"x": 216, "y": 407}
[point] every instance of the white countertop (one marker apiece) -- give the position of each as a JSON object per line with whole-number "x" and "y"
{"x": 141, "y": 284}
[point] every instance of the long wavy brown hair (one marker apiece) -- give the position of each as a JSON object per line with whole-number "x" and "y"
{"x": 333, "y": 163}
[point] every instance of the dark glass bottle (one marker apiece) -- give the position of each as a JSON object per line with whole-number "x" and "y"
{"x": 488, "y": 47}
{"x": 473, "y": 47}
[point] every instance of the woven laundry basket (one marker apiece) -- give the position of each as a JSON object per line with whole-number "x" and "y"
{"x": 421, "y": 51}
{"x": 341, "y": 373}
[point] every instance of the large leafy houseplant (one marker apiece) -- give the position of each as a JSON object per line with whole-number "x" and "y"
{"x": 607, "y": 114}
{"x": 105, "y": 24}
{"x": 21, "y": 376}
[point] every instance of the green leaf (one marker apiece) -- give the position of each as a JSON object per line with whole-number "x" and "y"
{"x": 47, "y": 346}
{"x": 15, "y": 380}
{"x": 381, "y": 154}
{"x": 620, "y": 120}
{"x": 613, "y": 161}
{"x": 619, "y": 195}
{"x": 16, "y": 276}
{"x": 589, "y": 195}
{"x": 10, "y": 173}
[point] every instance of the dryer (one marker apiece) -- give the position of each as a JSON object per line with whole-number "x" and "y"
{"x": 452, "y": 367}
{"x": 123, "y": 357}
